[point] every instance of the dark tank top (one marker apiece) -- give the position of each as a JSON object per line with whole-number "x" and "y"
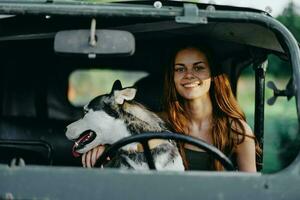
{"x": 201, "y": 160}
{"x": 198, "y": 160}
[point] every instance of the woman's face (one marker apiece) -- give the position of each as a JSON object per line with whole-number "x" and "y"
{"x": 192, "y": 75}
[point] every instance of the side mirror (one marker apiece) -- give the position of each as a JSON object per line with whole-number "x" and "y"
{"x": 101, "y": 42}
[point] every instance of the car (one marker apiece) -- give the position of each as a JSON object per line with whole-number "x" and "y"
{"x": 57, "y": 55}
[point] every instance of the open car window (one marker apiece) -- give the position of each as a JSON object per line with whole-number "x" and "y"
{"x": 280, "y": 124}
{"x": 84, "y": 85}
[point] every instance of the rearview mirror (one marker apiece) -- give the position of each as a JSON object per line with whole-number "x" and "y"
{"x": 106, "y": 42}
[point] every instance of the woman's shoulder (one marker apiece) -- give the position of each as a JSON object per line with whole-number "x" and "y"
{"x": 242, "y": 127}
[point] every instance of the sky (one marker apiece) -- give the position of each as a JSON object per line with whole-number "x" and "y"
{"x": 277, "y": 6}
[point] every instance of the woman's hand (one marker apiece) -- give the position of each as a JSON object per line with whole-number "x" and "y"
{"x": 89, "y": 158}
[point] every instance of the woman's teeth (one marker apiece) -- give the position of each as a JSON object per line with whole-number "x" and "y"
{"x": 190, "y": 85}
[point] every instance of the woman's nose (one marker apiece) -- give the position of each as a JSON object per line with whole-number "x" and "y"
{"x": 189, "y": 74}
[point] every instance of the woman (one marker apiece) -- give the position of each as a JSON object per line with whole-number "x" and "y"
{"x": 199, "y": 102}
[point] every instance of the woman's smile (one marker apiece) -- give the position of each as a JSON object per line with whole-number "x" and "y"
{"x": 191, "y": 84}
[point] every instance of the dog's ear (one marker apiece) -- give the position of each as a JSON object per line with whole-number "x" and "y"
{"x": 125, "y": 94}
{"x": 116, "y": 86}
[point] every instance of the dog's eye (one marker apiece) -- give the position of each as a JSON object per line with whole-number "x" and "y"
{"x": 110, "y": 111}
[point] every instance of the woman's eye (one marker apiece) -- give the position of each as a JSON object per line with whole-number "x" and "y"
{"x": 198, "y": 68}
{"x": 181, "y": 69}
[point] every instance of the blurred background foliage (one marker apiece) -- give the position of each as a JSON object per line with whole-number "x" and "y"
{"x": 291, "y": 19}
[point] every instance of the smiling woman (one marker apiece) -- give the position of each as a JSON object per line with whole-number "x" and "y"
{"x": 199, "y": 102}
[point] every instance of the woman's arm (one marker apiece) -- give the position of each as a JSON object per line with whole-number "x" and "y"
{"x": 246, "y": 159}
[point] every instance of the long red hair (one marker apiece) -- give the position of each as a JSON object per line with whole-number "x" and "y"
{"x": 226, "y": 110}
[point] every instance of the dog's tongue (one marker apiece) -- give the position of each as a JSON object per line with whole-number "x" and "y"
{"x": 74, "y": 152}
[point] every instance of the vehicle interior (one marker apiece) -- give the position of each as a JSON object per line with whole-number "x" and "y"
{"x": 37, "y": 94}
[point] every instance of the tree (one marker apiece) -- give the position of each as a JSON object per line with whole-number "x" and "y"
{"x": 291, "y": 20}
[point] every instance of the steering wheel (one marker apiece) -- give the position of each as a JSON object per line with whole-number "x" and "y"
{"x": 145, "y": 137}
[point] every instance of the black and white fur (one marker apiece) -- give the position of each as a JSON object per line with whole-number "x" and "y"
{"x": 111, "y": 117}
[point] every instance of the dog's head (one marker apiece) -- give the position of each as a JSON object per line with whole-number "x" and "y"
{"x": 101, "y": 122}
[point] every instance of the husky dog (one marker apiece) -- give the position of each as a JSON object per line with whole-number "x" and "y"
{"x": 111, "y": 117}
